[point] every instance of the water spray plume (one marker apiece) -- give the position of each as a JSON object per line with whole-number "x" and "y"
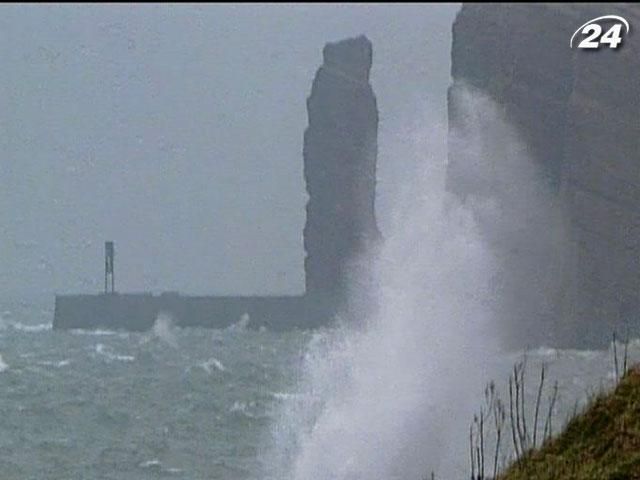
{"x": 391, "y": 398}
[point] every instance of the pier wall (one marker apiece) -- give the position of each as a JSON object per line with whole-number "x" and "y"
{"x": 138, "y": 312}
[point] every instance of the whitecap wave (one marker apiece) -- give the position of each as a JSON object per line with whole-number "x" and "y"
{"x": 241, "y": 325}
{"x": 51, "y": 363}
{"x": 155, "y": 463}
{"x": 97, "y": 333}
{"x": 27, "y": 328}
{"x": 105, "y": 352}
{"x": 165, "y": 330}
{"x": 545, "y": 352}
{"x": 243, "y": 408}
{"x": 3, "y": 366}
{"x": 211, "y": 364}
{"x": 283, "y": 396}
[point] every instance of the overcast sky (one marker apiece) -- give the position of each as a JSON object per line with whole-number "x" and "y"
{"x": 176, "y": 131}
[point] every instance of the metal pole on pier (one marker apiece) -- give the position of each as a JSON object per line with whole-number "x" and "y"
{"x": 109, "y": 254}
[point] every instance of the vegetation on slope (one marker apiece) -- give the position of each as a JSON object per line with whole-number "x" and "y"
{"x": 602, "y": 443}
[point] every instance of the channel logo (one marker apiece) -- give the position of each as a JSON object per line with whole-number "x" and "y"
{"x": 593, "y": 36}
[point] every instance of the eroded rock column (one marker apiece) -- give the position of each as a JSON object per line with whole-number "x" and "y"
{"x": 340, "y": 154}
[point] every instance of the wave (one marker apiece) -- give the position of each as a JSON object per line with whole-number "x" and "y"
{"x": 28, "y": 328}
{"x": 3, "y": 366}
{"x": 154, "y": 464}
{"x": 51, "y": 363}
{"x": 243, "y": 409}
{"x": 241, "y": 325}
{"x": 212, "y": 363}
{"x": 284, "y": 396}
{"x": 104, "y": 351}
{"x": 97, "y": 333}
{"x": 165, "y": 330}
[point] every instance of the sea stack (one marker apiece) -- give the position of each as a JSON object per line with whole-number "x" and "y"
{"x": 340, "y": 154}
{"x": 578, "y": 114}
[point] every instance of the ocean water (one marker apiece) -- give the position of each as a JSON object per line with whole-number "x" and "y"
{"x": 392, "y": 398}
{"x": 189, "y": 403}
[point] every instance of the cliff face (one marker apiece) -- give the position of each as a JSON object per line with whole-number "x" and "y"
{"x": 577, "y": 112}
{"x": 340, "y": 153}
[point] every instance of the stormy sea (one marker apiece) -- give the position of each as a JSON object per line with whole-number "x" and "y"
{"x": 198, "y": 404}
{"x": 392, "y": 396}
{"x": 189, "y": 403}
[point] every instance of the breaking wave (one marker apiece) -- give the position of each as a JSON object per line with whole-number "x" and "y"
{"x": 211, "y": 364}
{"x": 29, "y": 328}
{"x": 3, "y": 366}
{"x": 58, "y": 364}
{"x": 241, "y": 325}
{"x": 97, "y": 333}
{"x": 106, "y": 352}
{"x": 165, "y": 330}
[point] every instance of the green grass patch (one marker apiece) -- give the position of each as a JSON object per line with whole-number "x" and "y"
{"x": 602, "y": 443}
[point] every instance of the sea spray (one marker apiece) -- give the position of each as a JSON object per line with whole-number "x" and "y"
{"x": 3, "y": 366}
{"x": 241, "y": 325}
{"x": 164, "y": 329}
{"x": 518, "y": 211}
{"x": 394, "y": 399}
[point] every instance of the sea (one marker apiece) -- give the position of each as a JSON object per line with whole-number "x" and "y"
{"x": 185, "y": 403}
{"x": 170, "y": 403}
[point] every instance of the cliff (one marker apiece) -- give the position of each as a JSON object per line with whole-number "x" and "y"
{"x": 340, "y": 154}
{"x": 577, "y": 114}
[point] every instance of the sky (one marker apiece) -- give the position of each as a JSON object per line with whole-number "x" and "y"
{"x": 176, "y": 131}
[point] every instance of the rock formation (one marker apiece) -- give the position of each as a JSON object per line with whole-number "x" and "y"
{"x": 340, "y": 153}
{"x": 577, "y": 112}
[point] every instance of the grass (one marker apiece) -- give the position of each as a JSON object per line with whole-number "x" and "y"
{"x": 602, "y": 443}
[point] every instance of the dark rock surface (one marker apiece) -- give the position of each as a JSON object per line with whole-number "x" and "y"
{"x": 340, "y": 153}
{"x": 578, "y": 114}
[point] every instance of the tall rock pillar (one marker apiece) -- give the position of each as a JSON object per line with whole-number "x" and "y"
{"x": 340, "y": 154}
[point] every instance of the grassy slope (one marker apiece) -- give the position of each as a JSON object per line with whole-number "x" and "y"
{"x": 603, "y": 443}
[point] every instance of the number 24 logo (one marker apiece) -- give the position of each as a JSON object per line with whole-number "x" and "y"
{"x": 612, "y": 37}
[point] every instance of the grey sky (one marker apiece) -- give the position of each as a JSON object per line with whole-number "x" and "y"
{"x": 177, "y": 131}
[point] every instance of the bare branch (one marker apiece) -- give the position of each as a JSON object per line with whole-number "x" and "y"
{"x": 615, "y": 356}
{"x": 481, "y": 443}
{"x": 512, "y": 420}
{"x": 548, "y": 428}
{"x": 538, "y": 398}
{"x": 473, "y": 470}
{"x": 524, "y": 442}
{"x": 626, "y": 351}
